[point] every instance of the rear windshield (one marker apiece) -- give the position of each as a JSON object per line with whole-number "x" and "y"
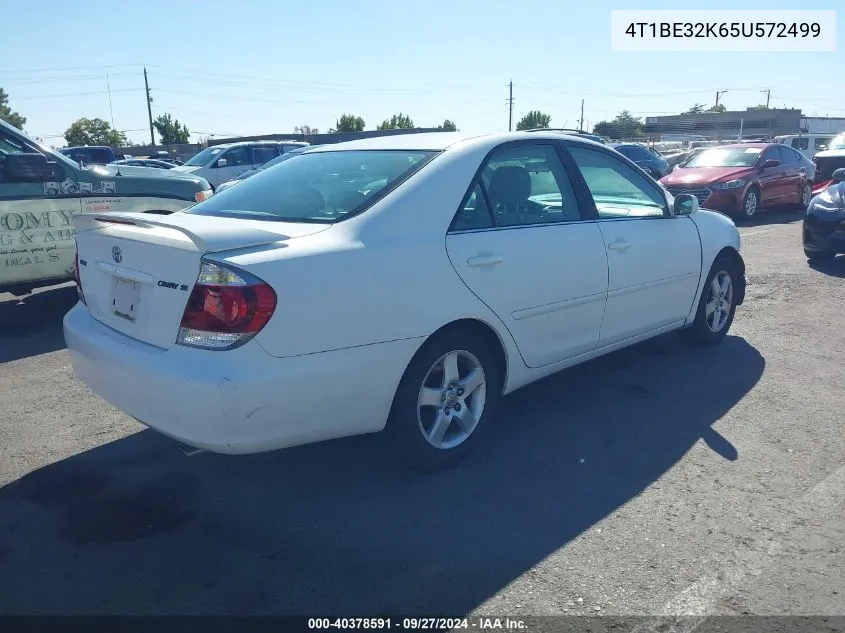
{"x": 323, "y": 187}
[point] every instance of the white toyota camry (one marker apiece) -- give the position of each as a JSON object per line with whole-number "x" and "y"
{"x": 401, "y": 283}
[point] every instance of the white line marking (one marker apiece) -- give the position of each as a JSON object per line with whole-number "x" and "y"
{"x": 698, "y": 598}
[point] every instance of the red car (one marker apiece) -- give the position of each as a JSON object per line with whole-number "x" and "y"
{"x": 743, "y": 178}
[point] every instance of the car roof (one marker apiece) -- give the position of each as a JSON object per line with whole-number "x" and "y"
{"x": 745, "y": 145}
{"x": 440, "y": 141}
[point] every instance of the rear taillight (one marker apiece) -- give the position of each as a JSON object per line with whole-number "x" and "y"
{"x": 227, "y": 307}
{"x": 78, "y": 279}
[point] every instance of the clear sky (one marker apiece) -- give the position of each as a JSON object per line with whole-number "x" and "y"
{"x": 254, "y": 67}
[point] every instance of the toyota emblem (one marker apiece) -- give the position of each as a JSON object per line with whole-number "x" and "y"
{"x": 116, "y": 255}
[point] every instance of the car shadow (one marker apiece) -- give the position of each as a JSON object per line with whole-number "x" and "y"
{"x": 32, "y": 324}
{"x": 834, "y": 267}
{"x": 134, "y": 527}
{"x": 771, "y": 215}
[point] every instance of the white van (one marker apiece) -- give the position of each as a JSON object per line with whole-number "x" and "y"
{"x": 220, "y": 163}
{"x": 807, "y": 144}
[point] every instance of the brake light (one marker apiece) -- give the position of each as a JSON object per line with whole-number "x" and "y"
{"x": 227, "y": 307}
{"x": 78, "y": 279}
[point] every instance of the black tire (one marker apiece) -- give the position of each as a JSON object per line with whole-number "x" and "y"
{"x": 405, "y": 425}
{"x": 744, "y": 212}
{"x": 818, "y": 257}
{"x": 700, "y": 332}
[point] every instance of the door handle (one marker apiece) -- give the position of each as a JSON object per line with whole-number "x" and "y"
{"x": 619, "y": 245}
{"x": 485, "y": 260}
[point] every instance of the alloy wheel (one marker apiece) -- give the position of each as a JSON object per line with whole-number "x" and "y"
{"x": 717, "y": 307}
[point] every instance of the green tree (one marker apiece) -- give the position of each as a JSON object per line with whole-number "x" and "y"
{"x": 170, "y": 131}
{"x": 534, "y": 119}
{"x": 349, "y": 123}
{"x": 761, "y": 106}
{"x": 448, "y": 126}
{"x": 625, "y": 125}
{"x": 718, "y": 108}
{"x": 94, "y": 132}
{"x": 397, "y": 122}
{"x": 306, "y": 130}
{"x": 6, "y": 113}
{"x": 698, "y": 108}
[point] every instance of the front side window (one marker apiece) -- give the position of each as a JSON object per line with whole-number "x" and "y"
{"x": 324, "y": 187}
{"x": 236, "y": 157}
{"x": 527, "y": 184}
{"x": 617, "y": 190}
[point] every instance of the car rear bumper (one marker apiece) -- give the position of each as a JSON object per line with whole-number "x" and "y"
{"x": 242, "y": 400}
{"x": 824, "y": 235}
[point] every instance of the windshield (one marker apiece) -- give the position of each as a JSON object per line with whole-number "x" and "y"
{"x": 726, "y": 157}
{"x": 204, "y": 157}
{"x": 321, "y": 187}
{"x": 838, "y": 142}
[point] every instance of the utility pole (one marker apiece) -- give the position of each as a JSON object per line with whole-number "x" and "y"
{"x": 768, "y": 96}
{"x": 149, "y": 107}
{"x": 719, "y": 93}
{"x": 510, "y": 107}
{"x": 111, "y": 110}
{"x": 581, "y": 122}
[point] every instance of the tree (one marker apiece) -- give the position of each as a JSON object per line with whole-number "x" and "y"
{"x": 6, "y": 113}
{"x": 94, "y": 132}
{"x": 698, "y": 108}
{"x": 718, "y": 108}
{"x": 349, "y": 123}
{"x": 761, "y": 106}
{"x": 170, "y": 131}
{"x": 534, "y": 119}
{"x": 306, "y": 130}
{"x": 397, "y": 122}
{"x": 624, "y": 125}
{"x": 448, "y": 126}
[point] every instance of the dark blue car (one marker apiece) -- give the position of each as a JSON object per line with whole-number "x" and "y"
{"x": 649, "y": 160}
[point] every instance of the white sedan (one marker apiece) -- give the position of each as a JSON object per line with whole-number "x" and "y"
{"x": 401, "y": 283}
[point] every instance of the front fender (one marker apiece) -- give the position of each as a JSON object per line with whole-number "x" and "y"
{"x": 718, "y": 235}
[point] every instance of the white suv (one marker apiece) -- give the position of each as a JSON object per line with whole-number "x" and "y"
{"x": 220, "y": 163}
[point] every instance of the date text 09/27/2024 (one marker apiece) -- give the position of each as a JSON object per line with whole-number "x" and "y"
{"x": 416, "y": 624}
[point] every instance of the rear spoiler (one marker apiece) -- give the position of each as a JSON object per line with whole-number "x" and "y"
{"x": 221, "y": 234}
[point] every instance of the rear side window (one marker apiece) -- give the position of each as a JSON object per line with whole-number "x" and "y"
{"x": 323, "y": 187}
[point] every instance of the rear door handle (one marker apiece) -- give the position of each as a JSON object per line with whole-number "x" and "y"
{"x": 485, "y": 260}
{"x": 619, "y": 245}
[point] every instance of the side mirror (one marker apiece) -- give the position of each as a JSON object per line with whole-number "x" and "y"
{"x": 221, "y": 162}
{"x": 685, "y": 204}
{"x": 769, "y": 163}
{"x": 32, "y": 167}
{"x": 838, "y": 174}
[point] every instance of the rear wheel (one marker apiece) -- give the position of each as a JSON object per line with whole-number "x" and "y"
{"x": 717, "y": 305}
{"x": 806, "y": 196}
{"x": 445, "y": 400}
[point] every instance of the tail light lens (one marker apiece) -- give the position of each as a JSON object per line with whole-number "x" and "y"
{"x": 78, "y": 280}
{"x": 227, "y": 307}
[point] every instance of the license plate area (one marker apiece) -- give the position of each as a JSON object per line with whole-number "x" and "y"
{"x": 125, "y": 297}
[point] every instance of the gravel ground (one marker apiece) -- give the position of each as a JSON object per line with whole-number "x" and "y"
{"x": 658, "y": 480}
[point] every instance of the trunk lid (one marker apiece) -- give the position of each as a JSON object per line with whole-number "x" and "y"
{"x": 137, "y": 270}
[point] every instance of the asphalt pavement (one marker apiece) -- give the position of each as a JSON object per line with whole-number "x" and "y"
{"x": 661, "y": 479}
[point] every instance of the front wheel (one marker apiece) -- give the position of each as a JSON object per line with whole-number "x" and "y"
{"x": 751, "y": 203}
{"x": 444, "y": 400}
{"x": 717, "y": 305}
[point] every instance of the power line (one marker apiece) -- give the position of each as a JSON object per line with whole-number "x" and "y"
{"x": 75, "y": 94}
